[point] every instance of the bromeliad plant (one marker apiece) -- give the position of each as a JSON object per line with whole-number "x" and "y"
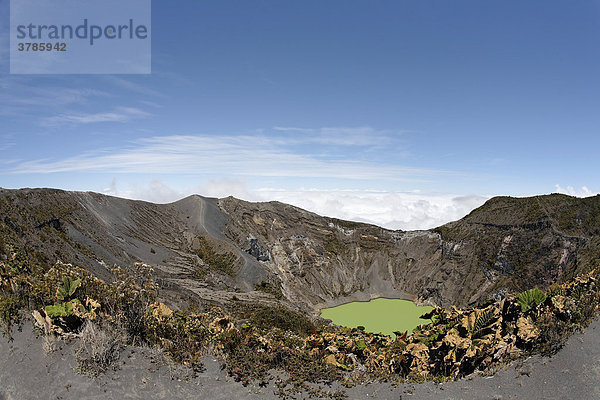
{"x": 530, "y": 299}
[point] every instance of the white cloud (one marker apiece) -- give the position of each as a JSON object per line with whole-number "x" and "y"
{"x": 156, "y": 191}
{"x": 224, "y": 187}
{"x": 238, "y": 156}
{"x": 583, "y": 192}
{"x": 120, "y": 114}
{"x": 392, "y": 210}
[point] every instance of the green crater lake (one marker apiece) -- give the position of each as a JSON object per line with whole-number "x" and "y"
{"x": 378, "y": 315}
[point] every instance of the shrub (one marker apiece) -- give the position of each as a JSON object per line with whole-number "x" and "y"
{"x": 184, "y": 336}
{"x": 278, "y": 317}
{"x": 129, "y": 297}
{"x": 10, "y": 307}
{"x": 270, "y": 288}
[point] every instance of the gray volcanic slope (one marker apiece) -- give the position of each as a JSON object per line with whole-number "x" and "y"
{"x": 574, "y": 373}
{"x": 508, "y": 244}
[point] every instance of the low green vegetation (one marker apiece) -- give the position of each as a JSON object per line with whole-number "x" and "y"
{"x": 334, "y": 246}
{"x": 10, "y": 308}
{"x": 266, "y": 317}
{"x": 346, "y": 224}
{"x": 270, "y": 288}
{"x": 221, "y": 262}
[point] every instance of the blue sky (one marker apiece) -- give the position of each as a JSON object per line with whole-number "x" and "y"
{"x": 403, "y": 113}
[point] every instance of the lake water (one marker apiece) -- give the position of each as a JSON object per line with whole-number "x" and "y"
{"x": 378, "y": 315}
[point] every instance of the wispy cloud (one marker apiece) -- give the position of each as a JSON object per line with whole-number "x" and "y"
{"x": 19, "y": 95}
{"x": 55, "y": 96}
{"x": 58, "y": 101}
{"x": 4, "y": 48}
{"x": 120, "y": 114}
{"x": 571, "y": 191}
{"x": 132, "y": 86}
{"x": 343, "y": 136}
{"x": 151, "y": 104}
{"x": 225, "y": 155}
{"x": 7, "y": 141}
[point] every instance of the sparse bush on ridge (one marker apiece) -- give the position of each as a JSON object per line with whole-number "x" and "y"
{"x": 222, "y": 262}
{"x": 270, "y": 288}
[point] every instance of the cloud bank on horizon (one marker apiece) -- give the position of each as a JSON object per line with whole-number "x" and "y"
{"x": 392, "y": 210}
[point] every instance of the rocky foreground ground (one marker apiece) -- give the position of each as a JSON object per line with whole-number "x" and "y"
{"x": 36, "y": 369}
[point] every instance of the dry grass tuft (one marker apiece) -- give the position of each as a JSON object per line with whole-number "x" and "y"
{"x": 49, "y": 344}
{"x": 99, "y": 348}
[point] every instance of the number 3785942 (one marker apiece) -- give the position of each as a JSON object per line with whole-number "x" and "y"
{"x": 42, "y": 46}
